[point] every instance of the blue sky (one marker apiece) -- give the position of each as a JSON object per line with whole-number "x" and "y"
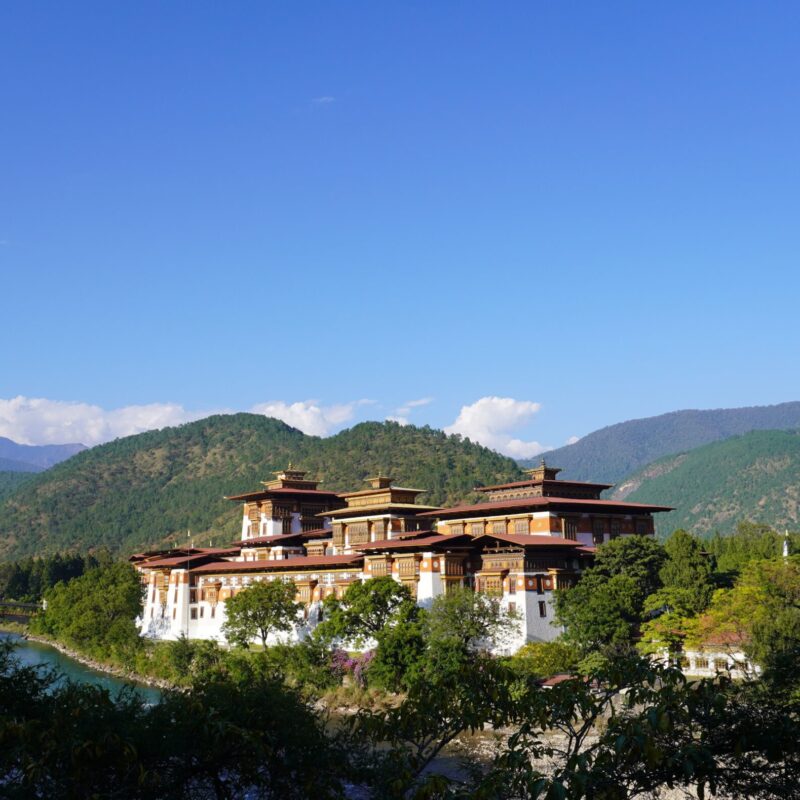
{"x": 328, "y": 210}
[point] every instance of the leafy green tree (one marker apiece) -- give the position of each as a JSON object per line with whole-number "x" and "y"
{"x": 96, "y": 612}
{"x": 752, "y": 541}
{"x": 463, "y": 620}
{"x": 366, "y": 609}
{"x": 262, "y": 608}
{"x": 544, "y": 659}
{"x": 688, "y": 569}
{"x": 638, "y": 557}
{"x": 400, "y": 653}
{"x": 600, "y": 611}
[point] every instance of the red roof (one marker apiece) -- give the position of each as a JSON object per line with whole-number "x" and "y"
{"x": 535, "y": 502}
{"x": 409, "y": 544}
{"x": 283, "y": 537}
{"x": 177, "y": 561}
{"x": 537, "y": 481}
{"x": 268, "y": 565}
{"x": 530, "y": 540}
{"x": 554, "y": 680}
{"x": 269, "y": 492}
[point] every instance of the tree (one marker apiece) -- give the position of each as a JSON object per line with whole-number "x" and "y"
{"x": 366, "y": 609}
{"x": 400, "y": 653}
{"x": 96, "y": 612}
{"x": 544, "y": 659}
{"x": 638, "y": 557}
{"x": 262, "y": 608}
{"x": 687, "y": 573}
{"x": 599, "y": 611}
{"x": 465, "y": 620}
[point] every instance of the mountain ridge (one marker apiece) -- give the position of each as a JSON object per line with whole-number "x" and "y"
{"x": 15, "y": 457}
{"x": 617, "y": 451}
{"x": 148, "y": 489}
{"x": 754, "y": 476}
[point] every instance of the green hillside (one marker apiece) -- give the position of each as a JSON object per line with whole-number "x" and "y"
{"x": 755, "y": 476}
{"x": 612, "y": 453}
{"x": 9, "y": 481}
{"x": 149, "y": 488}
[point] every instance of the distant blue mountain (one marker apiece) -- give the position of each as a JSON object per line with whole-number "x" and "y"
{"x": 34, "y": 458}
{"x": 617, "y": 451}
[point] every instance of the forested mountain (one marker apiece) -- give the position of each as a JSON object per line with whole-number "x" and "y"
{"x": 34, "y": 458}
{"x": 755, "y": 476}
{"x": 619, "y": 450}
{"x": 150, "y": 488}
{"x": 9, "y": 481}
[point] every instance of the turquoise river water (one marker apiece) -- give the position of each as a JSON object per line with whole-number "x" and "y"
{"x": 30, "y": 653}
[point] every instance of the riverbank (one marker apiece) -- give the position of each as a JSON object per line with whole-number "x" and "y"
{"x": 115, "y": 671}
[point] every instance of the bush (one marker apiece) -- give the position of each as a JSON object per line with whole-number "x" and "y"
{"x": 545, "y": 659}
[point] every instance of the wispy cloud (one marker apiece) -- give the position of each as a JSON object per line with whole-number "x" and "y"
{"x": 401, "y": 414}
{"x": 491, "y": 421}
{"x": 310, "y": 416}
{"x": 324, "y": 100}
{"x": 573, "y": 439}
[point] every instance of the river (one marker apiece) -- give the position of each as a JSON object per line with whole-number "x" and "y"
{"x": 31, "y": 653}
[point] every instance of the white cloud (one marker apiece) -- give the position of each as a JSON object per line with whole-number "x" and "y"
{"x": 491, "y": 422}
{"x": 36, "y": 420}
{"x": 398, "y": 420}
{"x": 309, "y": 416}
{"x": 573, "y": 439}
{"x": 405, "y": 409}
{"x": 325, "y": 100}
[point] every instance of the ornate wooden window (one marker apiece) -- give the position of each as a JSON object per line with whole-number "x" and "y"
{"x": 304, "y": 593}
{"x": 338, "y": 535}
{"x": 499, "y": 526}
{"x": 379, "y": 568}
{"x": 598, "y": 530}
{"x": 720, "y": 664}
{"x": 456, "y": 530}
{"x": 407, "y": 567}
{"x": 521, "y": 526}
{"x": 642, "y": 526}
{"x": 570, "y": 528}
{"x": 492, "y": 585}
{"x": 379, "y": 530}
{"x": 476, "y": 529}
{"x": 358, "y": 532}
{"x": 616, "y": 527}
{"x": 454, "y": 566}
{"x": 701, "y": 662}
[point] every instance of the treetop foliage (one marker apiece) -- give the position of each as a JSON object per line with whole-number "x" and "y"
{"x": 263, "y": 608}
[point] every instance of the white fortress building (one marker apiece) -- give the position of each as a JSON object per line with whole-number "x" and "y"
{"x": 527, "y": 539}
